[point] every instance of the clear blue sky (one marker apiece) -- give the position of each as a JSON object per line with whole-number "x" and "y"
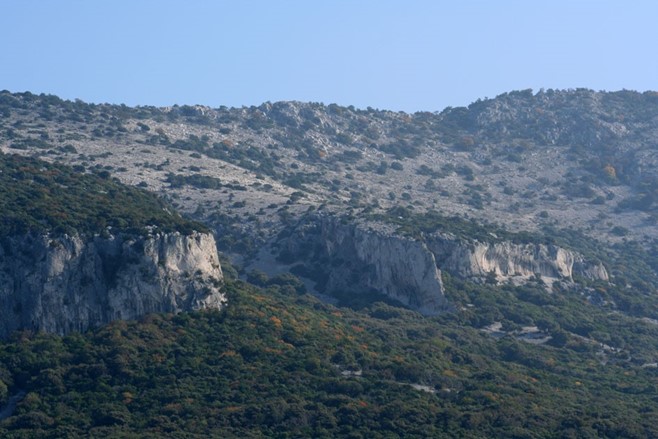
{"x": 408, "y": 55}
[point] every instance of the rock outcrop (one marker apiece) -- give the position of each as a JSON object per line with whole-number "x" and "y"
{"x": 71, "y": 283}
{"x": 505, "y": 260}
{"x": 358, "y": 260}
{"x": 352, "y": 257}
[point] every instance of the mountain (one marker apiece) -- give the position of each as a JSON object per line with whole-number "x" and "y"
{"x": 478, "y": 272}
{"x": 543, "y": 165}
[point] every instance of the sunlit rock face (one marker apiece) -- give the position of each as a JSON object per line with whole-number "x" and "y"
{"x": 505, "y": 260}
{"x": 73, "y": 283}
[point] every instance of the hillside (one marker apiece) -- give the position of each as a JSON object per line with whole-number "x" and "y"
{"x": 489, "y": 271}
{"x": 577, "y": 158}
{"x": 542, "y": 165}
{"x": 277, "y": 364}
{"x": 37, "y": 197}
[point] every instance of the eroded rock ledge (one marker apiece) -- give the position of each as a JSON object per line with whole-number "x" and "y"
{"x": 506, "y": 260}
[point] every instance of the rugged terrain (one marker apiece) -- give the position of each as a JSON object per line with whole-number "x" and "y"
{"x": 576, "y": 158}
{"x": 523, "y": 162}
{"x": 80, "y": 251}
{"x": 481, "y": 271}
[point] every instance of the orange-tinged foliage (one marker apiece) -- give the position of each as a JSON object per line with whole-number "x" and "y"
{"x": 286, "y": 344}
{"x": 276, "y": 321}
{"x": 610, "y": 171}
{"x": 127, "y": 397}
{"x": 174, "y": 407}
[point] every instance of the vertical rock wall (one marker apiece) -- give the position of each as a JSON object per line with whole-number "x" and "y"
{"x": 70, "y": 283}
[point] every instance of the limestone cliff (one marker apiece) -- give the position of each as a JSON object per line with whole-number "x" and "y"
{"x": 353, "y": 257}
{"x": 473, "y": 259}
{"x": 71, "y": 283}
{"x": 359, "y": 260}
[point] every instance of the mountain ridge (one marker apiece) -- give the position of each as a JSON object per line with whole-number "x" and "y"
{"x": 251, "y": 173}
{"x": 451, "y": 164}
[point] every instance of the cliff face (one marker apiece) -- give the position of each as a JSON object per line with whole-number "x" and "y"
{"x": 507, "y": 260}
{"x": 356, "y": 259}
{"x": 70, "y": 283}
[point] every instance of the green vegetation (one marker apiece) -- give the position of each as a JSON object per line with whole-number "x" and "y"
{"x": 416, "y": 224}
{"x": 36, "y": 196}
{"x": 634, "y": 286}
{"x": 278, "y": 364}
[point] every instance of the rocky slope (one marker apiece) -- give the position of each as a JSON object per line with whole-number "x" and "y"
{"x": 573, "y": 159}
{"x": 562, "y": 158}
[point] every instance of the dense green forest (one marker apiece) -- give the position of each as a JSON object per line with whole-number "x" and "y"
{"x": 279, "y": 364}
{"x": 40, "y": 197}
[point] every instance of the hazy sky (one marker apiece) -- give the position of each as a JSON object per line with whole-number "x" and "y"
{"x": 405, "y": 55}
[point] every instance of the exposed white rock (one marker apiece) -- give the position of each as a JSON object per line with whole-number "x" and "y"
{"x": 70, "y": 284}
{"x": 506, "y": 260}
{"x": 398, "y": 267}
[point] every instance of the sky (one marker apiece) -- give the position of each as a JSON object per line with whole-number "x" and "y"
{"x": 405, "y": 55}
